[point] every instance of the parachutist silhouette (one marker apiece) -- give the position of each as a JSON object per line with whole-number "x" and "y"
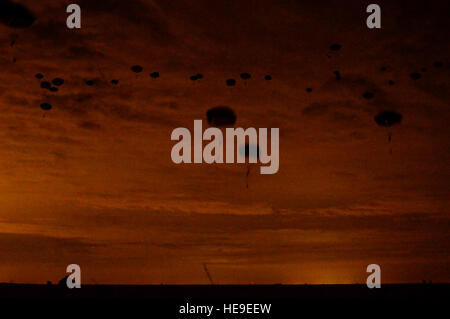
{"x": 388, "y": 119}
{"x": 221, "y": 116}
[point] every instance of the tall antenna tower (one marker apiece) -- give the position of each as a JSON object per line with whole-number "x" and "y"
{"x": 208, "y": 274}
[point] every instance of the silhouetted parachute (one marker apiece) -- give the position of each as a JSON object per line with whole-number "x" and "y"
{"x": 335, "y": 47}
{"x": 337, "y": 74}
{"x": 46, "y": 106}
{"x": 89, "y": 82}
{"x": 136, "y": 68}
{"x": 368, "y": 95}
{"x": 249, "y": 151}
{"x": 438, "y": 64}
{"x": 45, "y": 85}
{"x": 309, "y": 90}
{"x": 388, "y": 119}
{"x": 245, "y": 76}
{"x": 194, "y": 78}
{"x": 115, "y": 82}
{"x": 154, "y": 75}
{"x": 231, "y": 82}
{"x": 391, "y": 82}
{"x": 220, "y": 116}
{"x": 39, "y": 76}
{"x": 15, "y": 15}
{"x": 383, "y": 68}
{"x": 58, "y": 81}
{"x": 268, "y": 77}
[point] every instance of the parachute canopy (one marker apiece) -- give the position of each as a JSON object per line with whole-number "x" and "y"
{"x": 335, "y": 47}
{"x": 231, "y": 82}
{"x": 245, "y": 76}
{"x": 136, "y": 68}
{"x": 154, "y": 75}
{"x": 221, "y": 116}
{"x": 45, "y": 85}
{"x": 388, "y": 118}
{"x": 46, "y": 106}
{"x": 15, "y": 15}
{"x": 58, "y": 81}
{"x": 368, "y": 95}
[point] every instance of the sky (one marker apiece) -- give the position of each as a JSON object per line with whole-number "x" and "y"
{"x": 91, "y": 181}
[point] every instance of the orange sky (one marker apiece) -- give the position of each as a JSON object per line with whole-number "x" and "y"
{"x": 92, "y": 181}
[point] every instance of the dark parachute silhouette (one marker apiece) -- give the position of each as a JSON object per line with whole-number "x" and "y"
{"x": 337, "y": 74}
{"x": 46, "y": 106}
{"x": 154, "y": 75}
{"x": 15, "y": 15}
{"x": 438, "y": 64}
{"x": 39, "y": 76}
{"x": 196, "y": 77}
{"x": 249, "y": 151}
{"x": 115, "y": 82}
{"x": 45, "y": 85}
{"x": 309, "y": 90}
{"x": 136, "y": 68}
{"x": 415, "y": 76}
{"x": 368, "y": 95}
{"x": 383, "y": 68}
{"x": 89, "y": 82}
{"x": 268, "y": 77}
{"x": 391, "y": 82}
{"x": 335, "y": 47}
{"x": 231, "y": 82}
{"x": 221, "y": 116}
{"x": 58, "y": 81}
{"x": 245, "y": 76}
{"x": 388, "y": 119}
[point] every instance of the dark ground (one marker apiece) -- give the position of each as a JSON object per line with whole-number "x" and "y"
{"x": 287, "y": 301}
{"x": 222, "y": 292}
